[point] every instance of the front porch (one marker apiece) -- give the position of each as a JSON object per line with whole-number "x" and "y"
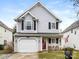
{"x": 45, "y": 41}
{"x": 50, "y": 43}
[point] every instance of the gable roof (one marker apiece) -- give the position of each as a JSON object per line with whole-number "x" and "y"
{"x": 26, "y": 14}
{"x": 38, "y": 3}
{"x": 32, "y": 15}
{"x": 4, "y": 26}
{"x": 72, "y": 26}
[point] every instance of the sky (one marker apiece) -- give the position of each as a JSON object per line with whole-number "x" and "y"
{"x": 63, "y": 9}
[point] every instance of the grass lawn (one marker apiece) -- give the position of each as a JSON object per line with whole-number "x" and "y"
{"x": 1, "y": 51}
{"x": 56, "y": 55}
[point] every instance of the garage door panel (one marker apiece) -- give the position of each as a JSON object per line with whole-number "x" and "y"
{"x": 27, "y": 45}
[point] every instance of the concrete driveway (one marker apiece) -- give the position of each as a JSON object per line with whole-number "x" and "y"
{"x": 24, "y": 56}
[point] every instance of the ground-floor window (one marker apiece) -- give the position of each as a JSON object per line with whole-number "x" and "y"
{"x": 53, "y": 40}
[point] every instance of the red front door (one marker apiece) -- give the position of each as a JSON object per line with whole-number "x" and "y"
{"x": 43, "y": 44}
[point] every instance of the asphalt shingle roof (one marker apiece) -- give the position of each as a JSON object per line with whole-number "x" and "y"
{"x": 4, "y": 26}
{"x": 38, "y": 34}
{"x": 72, "y": 26}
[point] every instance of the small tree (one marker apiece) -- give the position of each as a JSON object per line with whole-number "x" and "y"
{"x": 14, "y": 30}
{"x": 76, "y": 3}
{"x": 76, "y": 6}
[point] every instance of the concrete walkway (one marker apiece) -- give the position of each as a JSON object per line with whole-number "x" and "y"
{"x": 5, "y": 56}
{"x": 24, "y": 56}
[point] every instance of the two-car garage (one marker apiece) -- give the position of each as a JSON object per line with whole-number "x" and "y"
{"x": 27, "y": 45}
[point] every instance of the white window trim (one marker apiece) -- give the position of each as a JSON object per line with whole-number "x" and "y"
{"x": 25, "y": 24}
{"x": 54, "y": 41}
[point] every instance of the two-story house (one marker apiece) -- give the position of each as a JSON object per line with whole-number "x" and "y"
{"x": 5, "y": 34}
{"x": 71, "y": 36}
{"x": 37, "y": 29}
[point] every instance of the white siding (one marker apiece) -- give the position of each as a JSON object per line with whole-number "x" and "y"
{"x": 1, "y": 35}
{"x": 27, "y": 18}
{"x": 5, "y": 35}
{"x": 44, "y": 18}
{"x": 73, "y": 38}
{"x": 38, "y": 39}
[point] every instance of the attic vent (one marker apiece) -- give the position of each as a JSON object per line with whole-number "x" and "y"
{"x": 38, "y": 4}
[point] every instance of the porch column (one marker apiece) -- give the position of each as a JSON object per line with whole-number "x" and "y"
{"x": 40, "y": 43}
{"x": 46, "y": 43}
{"x": 55, "y": 41}
{"x": 60, "y": 43}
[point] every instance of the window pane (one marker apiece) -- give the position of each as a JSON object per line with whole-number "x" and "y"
{"x": 75, "y": 32}
{"x": 28, "y": 26}
{"x": 53, "y": 40}
{"x": 72, "y": 31}
{"x": 53, "y": 25}
{"x": 28, "y": 23}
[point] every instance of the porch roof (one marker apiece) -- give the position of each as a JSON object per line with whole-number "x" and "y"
{"x": 57, "y": 35}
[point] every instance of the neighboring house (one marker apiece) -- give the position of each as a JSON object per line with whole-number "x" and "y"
{"x": 71, "y": 35}
{"x": 5, "y": 34}
{"x": 37, "y": 29}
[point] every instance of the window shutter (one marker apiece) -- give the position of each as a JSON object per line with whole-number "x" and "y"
{"x": 34, "y": 25}
{"x": 22, "y": 24}
{"x": 49, "y": 40}
{"x": 57, "y": 40}
{"x": 56, "y": 25}
{"x": 49, "y": 25}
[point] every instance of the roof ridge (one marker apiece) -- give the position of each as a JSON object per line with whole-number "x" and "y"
{"x": 34, "y": 6}
{"x": 5, "y": 26}
{"x": 72, "y": 26}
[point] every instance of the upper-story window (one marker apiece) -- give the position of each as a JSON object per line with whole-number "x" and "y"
{"x": 72, "y": 31}
{"x": 75, "y": 32}
{"x": 53, "y": 25}
{"x": 28, "y": 25}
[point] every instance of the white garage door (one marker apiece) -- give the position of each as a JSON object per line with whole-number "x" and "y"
{"x": 27, "y": 45}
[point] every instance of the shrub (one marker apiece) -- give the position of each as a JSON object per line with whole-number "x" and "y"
{"x": 68, "y": 48}
{"x": 8, "y": 48}
{"x": 1, "y": 47}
